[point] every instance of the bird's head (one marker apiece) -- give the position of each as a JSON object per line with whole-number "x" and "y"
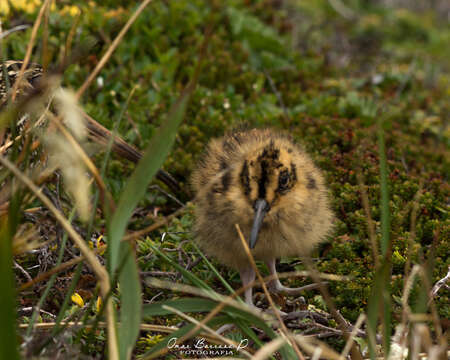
{"x": 275, "y": 180}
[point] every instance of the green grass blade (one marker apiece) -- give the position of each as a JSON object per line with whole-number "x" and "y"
{"x": 131, "y": 303}
{"x": 194, "y": 280}
{"x": 375, "y": 304}
{"x": 385, "y": 242}
{"x": 385, "y": 217}
{"x": 241, "y": 318}
{"x": 379, "y": 304}
{"x": 67, "y": 300}
{"x": 8, "y": 338}
{"x": 220, "y": 320}
{"x": 215, "y": 271}
{"x": 135, "y": 189}
{"x": 183, "y": 304}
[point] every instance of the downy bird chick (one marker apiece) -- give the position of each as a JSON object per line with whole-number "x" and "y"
{"x": 268, "y": 185}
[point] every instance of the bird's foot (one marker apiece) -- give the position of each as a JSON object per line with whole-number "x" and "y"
{"x": 273, "y": 312}
{"x": 262, "y": 311}
{"x": 277, "y": 288}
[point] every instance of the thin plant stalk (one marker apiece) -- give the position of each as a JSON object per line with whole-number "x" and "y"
{"x": 98, "y": 269}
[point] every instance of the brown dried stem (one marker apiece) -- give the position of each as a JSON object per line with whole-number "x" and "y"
{"x": 34, "y": 31}
{"x": 266, "y": 291}
{"x": 98, "y": 269}
{"x": 111, "y": 49}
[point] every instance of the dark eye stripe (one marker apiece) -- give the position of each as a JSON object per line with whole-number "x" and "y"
{"x": 245, "y": 178}
{"x": 263, "y": 180}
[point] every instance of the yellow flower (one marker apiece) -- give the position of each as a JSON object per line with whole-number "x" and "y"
{"x": 71, "y": 10}
{"x": 101, "y": 245}
{"x": 28, "y": 6}
{"x": 98, "y": 304}
{"x": 77, "y": 299}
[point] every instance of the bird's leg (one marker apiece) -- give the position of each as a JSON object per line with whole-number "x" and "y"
{"x": 247, "y": 276}
{"x": 275, "y": 285}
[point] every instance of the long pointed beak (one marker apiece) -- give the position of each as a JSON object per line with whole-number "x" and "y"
{"x": 261, "y": 208}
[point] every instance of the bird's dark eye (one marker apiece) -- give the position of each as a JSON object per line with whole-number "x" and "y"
{"x": 283, "y": 180}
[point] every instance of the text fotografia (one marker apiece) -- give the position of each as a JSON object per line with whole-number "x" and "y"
{"x": 201, "y": 347}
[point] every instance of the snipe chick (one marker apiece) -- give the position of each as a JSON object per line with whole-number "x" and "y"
{"x": 268, "y": 185}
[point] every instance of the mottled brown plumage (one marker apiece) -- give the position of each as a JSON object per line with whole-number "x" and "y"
{"x": 268, "y": 185}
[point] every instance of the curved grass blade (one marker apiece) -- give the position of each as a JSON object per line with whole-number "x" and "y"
{"x": 379, "y": 304}
{"x": 241, "y": 318}
{"x": 220, "y": 320}
{"x": 131, "y": 303}
{"x": 134, "y": 190}
{"x": 215, "y": 271}
{"x": 8, "y": 338}
{"x": 194, "y": 280}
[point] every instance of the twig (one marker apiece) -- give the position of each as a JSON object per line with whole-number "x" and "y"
{"x": 342, "y": 323}
{"x": 60, "y": 268}
{"x": 229, "y": 300}
{"x": 30, "y": 309}
{"x": 17, "y": 266}
{"x": 5, "y": 34}
{"x": 440, "y": 284}
{"x": 305, "y": 314}
{"x": 350, "y": 340}
{"x": 170, "y": 196}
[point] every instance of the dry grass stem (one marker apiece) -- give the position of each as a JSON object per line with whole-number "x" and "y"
{"x": 348, "y": 345}
{"x": 143, "y": 327}
{"x": 208, "y": 330}
{"x": 58, "y": 269}
{"x": 98, "y": 269}
{"x": 188, "y": 289}
{"x": 342, "y": 323}
{"x": 26, "y": 60}
{"x": 269, "y": 348}
{"x": 195, "y": 291}
{"x": 412, "y": 231}
{"x": 104, "y": 194}
{"x": 266, "y": 292}
{"x": 135, "y": 234}
{"x": 111, "y": 49}
{"x": 370, "y": 225}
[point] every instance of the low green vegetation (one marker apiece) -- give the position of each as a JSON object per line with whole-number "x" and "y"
{"x": 326, "y": 77}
